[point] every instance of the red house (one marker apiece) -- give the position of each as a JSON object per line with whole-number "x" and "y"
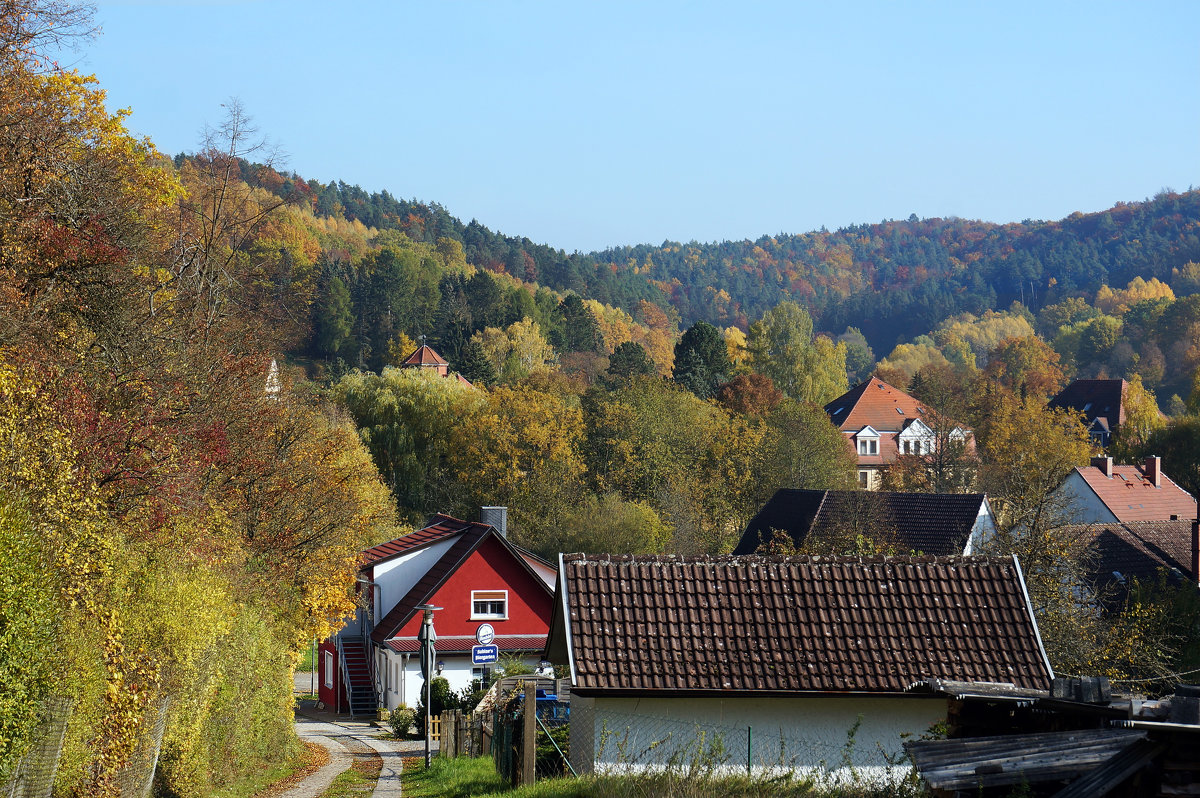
{"x": 468, "y": 568}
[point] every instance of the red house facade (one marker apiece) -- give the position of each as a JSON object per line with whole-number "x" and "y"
{"x": 474, "y": 574}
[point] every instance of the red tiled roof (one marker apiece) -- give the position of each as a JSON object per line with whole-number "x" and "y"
{"x": 771, "y": 625}
{"x": 440, "y": 527}
{"x": 1095, "y": 399}
{"x": 461, "y": 644}
{"x": 424, "y": 356}
{"x": 1132, "y": 497}
{"x": 876, "y": 403}
{"x": 929, "y": 523}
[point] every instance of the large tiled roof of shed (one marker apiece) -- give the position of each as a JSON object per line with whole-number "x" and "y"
{"x": 424, "y": 356}
{"x": 1132, "y": 497}
{"x": 1137, "y": 549}
{"x": 1095, "y": 399}
{"x": 440, "y": 527}
{"x": 926, "y": 523}
{"x": 876, "y": 403}
{"x": 772, "y": 625}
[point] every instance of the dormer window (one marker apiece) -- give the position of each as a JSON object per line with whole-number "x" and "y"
{"x": 868, "y": 441}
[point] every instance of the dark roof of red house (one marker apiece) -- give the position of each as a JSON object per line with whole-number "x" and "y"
{"x": 470, "y": 536}
{"x": 782, "y": 625}
{"x": 876, "y": 403}
{"x": 1130, "y": 496}
{"x": 439, "y": 527}
{"x": 1138, "y": 549}
{"x": 928, "y": 523}
{"x": 424, "y": 356}
{"x": 1095, "y": 399}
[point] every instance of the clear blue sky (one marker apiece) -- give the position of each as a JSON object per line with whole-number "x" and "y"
{"x": 585, "y": 125}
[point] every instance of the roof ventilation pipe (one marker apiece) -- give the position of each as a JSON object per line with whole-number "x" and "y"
{"x": 497, "y": 517}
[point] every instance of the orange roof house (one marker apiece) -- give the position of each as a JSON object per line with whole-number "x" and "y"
{"x": 426, "y": 358}
{"x": 882, "y": 422}
{"x": 1107, "y": 494}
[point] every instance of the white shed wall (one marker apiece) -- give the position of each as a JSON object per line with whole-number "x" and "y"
{"x": 806, "y": 735}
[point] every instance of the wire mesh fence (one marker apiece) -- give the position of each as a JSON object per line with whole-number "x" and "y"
{"x": 33, "y": 776}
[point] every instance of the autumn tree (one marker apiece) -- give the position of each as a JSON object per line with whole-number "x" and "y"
{"x": 750, "y": 394}
{"x": 1026, "y": 366}
{"x": 1028, "y": 452}
{"x": 781, "y": 346}
{"x": 409, "y": 420}
{"x": 523, "y": 451}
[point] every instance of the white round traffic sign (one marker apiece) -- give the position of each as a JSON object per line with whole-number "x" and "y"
{"x": 485, "y": 634}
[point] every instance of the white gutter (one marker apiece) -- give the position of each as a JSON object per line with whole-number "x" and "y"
{"x": 562, "y": 580}
{"x": 1032, "y": 617}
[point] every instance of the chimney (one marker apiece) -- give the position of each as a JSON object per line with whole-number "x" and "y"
{"x": 1104, "y": 464}
{"x": 497, "y": 517}
{"x": 1154, "y": 470}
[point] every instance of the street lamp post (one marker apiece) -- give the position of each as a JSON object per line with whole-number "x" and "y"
{"x": 428, "y": 638}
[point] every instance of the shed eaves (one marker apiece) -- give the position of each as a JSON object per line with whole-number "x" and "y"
{"x": 772, "y": 625}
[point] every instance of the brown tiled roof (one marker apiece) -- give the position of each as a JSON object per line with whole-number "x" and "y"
{"x": 876, "y": 403}
{"x": 424, "y": 356}
{"x": 778, "y": 625}
{"x": 927, "y": 523}
{"x": 1132, "y": 497}
{"x": 439, "y": 527}
{"x": 1095, "y": 399}
{"x": 1138, "y": 549}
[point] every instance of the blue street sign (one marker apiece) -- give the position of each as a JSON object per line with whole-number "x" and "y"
{"x": 484, "y": 655}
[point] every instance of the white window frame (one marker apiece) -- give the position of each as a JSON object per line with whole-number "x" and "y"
{"x": 329, "y": 669}
{"x": 491, "y": 596}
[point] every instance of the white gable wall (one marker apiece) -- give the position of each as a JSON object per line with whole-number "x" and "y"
{"x": 983, "y": 530}
{"x": 1081, "y": 502}
{"x": 809, "y": 735}
{"x": 395, "y": 577}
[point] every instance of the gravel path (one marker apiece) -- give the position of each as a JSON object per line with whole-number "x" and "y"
{"x": 339, "y": 758}
{"x": 347, "y": 741}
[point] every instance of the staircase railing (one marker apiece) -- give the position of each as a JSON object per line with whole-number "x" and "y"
{"x": 347, "y": 688}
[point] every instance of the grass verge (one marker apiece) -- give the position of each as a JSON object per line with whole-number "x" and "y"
{"x": 274, "y": 781}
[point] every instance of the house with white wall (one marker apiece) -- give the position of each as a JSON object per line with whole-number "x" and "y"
{"x": 1106, "y": 493}
{"x": 883, "y": 423}
{"x": 774, "y": 663}
{"x": 468, "y": 568}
